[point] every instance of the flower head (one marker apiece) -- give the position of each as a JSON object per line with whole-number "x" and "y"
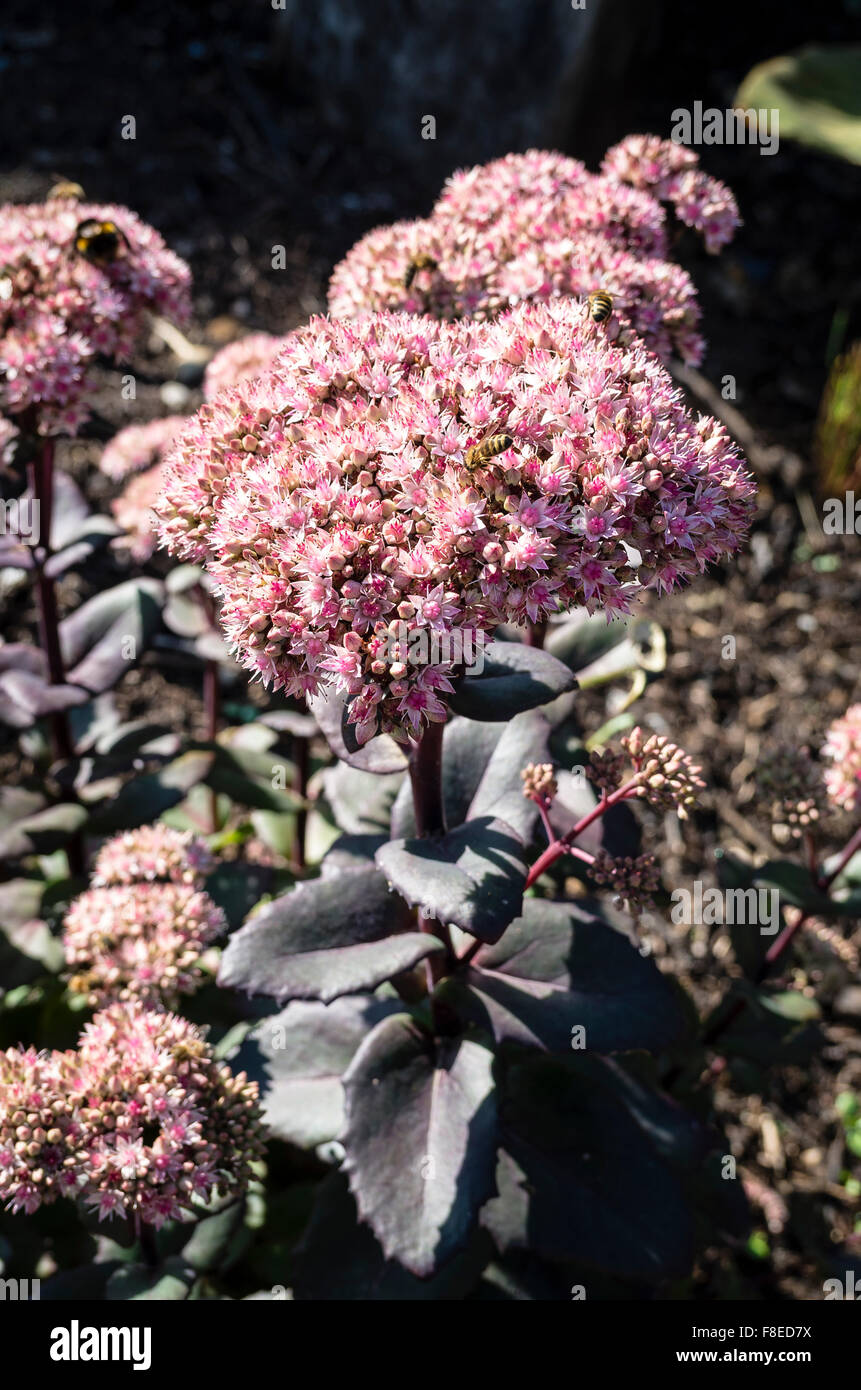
{"x": 40, "y": 1095}
{"x": 671, "y": 173}
{"x": 339, "y": 496}
{"x": 152, "y": 852}
{"x": 139, "y": 941}
{"x": 65, "y": 300}
{"x": 665, "y": 776}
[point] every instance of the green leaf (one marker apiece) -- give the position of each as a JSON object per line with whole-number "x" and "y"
{"x": 472, "y": 877}
{"x": 817, "y": 92}
{"x": 515, "y": 678}
{"x": 561, "y": 978}
{"x": 420, "y": 1140}
{"x": 325, "y": 938}
{"x": 212, "y": 1237}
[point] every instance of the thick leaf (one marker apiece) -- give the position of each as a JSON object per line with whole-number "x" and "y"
{"x": 212, "y": 1237}
{"x": 515, "y": 678}
{"x": 351, "y": 852}
{"x": 578, "y": 1180}
{"x": 379, "y": 755}
{"x": 93, "y": 534}
{"x": 796, "y": 888}
{"x": 26, "y": 697}
{"x": 306, "y": 1050}
{"x": 420, "y": 1139}
{"x": 108, "y": 632}
{"x": 561, "y": 978}
{"x": 43, "y": 832}
{"x": 361, "y": 801}
{"x": 325, "y": 938}
{"x": 817, "y": 92}
{"x": 27, "y": 947}
{"x": 339, "y": 1259}
{"x": 143, "y": 799}
{"x": 472, "y": 877}
{"x": 237, "y": 888}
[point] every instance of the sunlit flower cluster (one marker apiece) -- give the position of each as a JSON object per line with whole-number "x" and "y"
{"x": 536, "y": 226}
{"x": 843, "y": 748}
{"x": 131, "y": 936}
{"x": 663, "y": 775}
{"x": 61, "y": 309}
{"x": 336, "y": 498}
{"x": 40, "y": 1098}
{"x": 138, "y": 448}
{"x": 141, "y": 1121}
{"x": 671, "y": 173}
{"x": 152, "y": 852}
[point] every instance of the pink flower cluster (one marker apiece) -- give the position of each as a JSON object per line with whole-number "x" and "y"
{"x": 335, "y": 499}
{"x": 138, "y": 451}
{"x": 60, "y": 310}
{"x": 537, "y": 226}
{"x": 843, "y": 747}
{"x": 140, "y": 1121}
{"x": 671, "y": 173}
{"x": 131, "y": 936}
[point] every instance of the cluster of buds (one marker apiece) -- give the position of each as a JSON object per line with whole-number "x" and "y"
{"x": 537, "y": 226}
{"x": 140, "y": 1121}
{"x": 792, "y": 783}
{"x": 843, "y": 748}
{"x": 348, "y": 489}
{"x": 77, "y": 281}
{"x": 133, "y": 936}
{"x": 664, "y": 775}
{"x": 633, "y": 880}
{"x": 539, "y": 783}
{"x": 605, "y": 768}
{"x": 843, "y": 947}
{"x": 40, "y": 1099}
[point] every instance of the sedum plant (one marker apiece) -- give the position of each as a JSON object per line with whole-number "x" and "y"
{"x": 460, "y": 1002}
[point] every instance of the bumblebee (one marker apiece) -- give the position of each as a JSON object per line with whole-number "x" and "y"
{"x": 600, "y": 305}
{"x": 419, "y": 262}
{"x": 488, "y": 449}
{"x": 66, "y": 189}
{"x": 99, "y": 242}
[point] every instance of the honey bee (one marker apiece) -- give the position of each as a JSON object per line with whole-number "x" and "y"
{"x": 418, "y": 262}
{"x": 65, "y": 188}
{"x": 189, "y": 1050}
{"x": 488, "y": 449}
{"x": 600, "y": 305}
{"x": 99, "y": 242}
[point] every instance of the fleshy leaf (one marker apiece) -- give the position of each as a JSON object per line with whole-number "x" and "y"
{"x": 515, "y": 678}
{"x": 473, "y": 877}
{"x": 560, "y": 968}
{"x": 420, "y": 1139}
{"x": 325, "y": 938}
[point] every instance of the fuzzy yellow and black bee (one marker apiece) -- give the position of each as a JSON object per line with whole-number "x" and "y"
{"x": 600, "y": 305}
{"x": 487, "y": 450}
{"x": 99, "y": 242}
{"x": 419, "y": 262}
{"x": 66, "y": 188}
